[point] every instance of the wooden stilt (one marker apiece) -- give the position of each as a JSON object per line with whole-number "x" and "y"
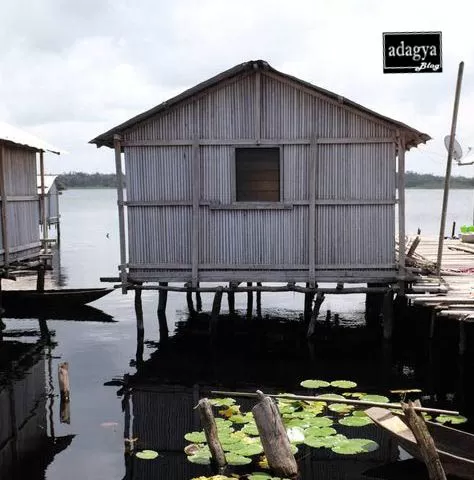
{"x": 249, "y": 301}
{"x": 314, "y": 316}
{"x": 64, "y": 411}
{"x": 462, "y": 337}
{"x": 432, "y": 323}
{"x": 138, "y": 299}
{"x": 231, "y": 297}
{"x": 388, "y": 315}
{"x": 189, "y": 300}
{"x": 210, "y": 430}
{"x": 274, "y": 438}
{"x": 216, "y": 309}
{"x": 336, "y": 320}
{"x": 140, "y": 333}
{"x": 40, "y": 278}
{"x": 308, "y": 302}
{"x": 259, "y": 301}
{"x": 198, "y": 300}
{"x": 162, "y": 298}
{"x": 328, "y": 318}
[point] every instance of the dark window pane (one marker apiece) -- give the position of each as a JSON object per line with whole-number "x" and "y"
{"x": 258, "y": 174}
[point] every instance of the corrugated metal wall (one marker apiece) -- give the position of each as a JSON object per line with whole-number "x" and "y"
{"x": 52, "y": 204}
{"x": 355, "y": 185}
{"x": 22, "y": 207}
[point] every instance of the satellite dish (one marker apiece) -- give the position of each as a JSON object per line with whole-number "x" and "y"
{"x": 457, "y": 150}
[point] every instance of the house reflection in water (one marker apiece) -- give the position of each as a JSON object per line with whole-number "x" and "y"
{"x": 159, "y": 399}
{"x": 27, "y": 441}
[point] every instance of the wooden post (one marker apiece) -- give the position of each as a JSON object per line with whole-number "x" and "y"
{"x": 162, "y": 298}
{"x": 453, "y": 230}
{"x": 120, "y": 203}
{"x": 210, "y": 430}
{"x": 448, "y": 169}
{"x": 425, "y": 442}
{"x": 308, "y": 302}
{"x": 259, "y": 301}
{"x": 44, "y": 219}
{"x": 40, "y": 278}
{"x": 249, "y": 301}
{"x": 388, "y": 315}
{"x": 216, "y": 309}
{"x": 138, "y": 300}
{"x": 401, "y": 210}
{"x": 231, "y": 297}
{"x": 432, "y": 323}
{"x": 189, "y": 300}
{"x": 196, "y": 192}
{"x": 312, "y": 208}
{"x": 64, "y": 411}
{"x": 198, "y": 301}
{"x": 63, "y": 380}
{"x": 3, "y": 196}
{"x": 314, "y": 316}
{"x": 274, "y": 438}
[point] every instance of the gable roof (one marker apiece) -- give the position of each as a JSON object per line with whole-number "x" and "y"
{"x": 48, "y": 182}
{"x": 9, "y": 133}
{"x": 414, "y": 137}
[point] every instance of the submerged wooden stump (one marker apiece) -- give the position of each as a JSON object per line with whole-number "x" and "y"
{"x": 210, "y": 430}
{"x": 274, "y": 438}
{"x": 425, "y": 442}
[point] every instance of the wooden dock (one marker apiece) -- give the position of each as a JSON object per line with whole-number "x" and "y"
{"x": 451, "y": 294}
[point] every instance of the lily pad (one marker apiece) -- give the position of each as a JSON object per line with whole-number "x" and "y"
{"x": 247, "y": 450}
{"x": 195, "y": 437}
{"x": 250, "y": 429}
{"x": 324, "y": 442}
{"x": 331, "y": 396}
{"x": 315, "y": 384}
{"x": 375, "y": 398}
{"x": 235, "y": 459}
{"x": 359, "y": 413}
{"x": 343, "y": 384}
{"x": 355, "y": 445}
{"x": 200, "y": 459}
{"x": 355, "y": 421}
{"x": 319, "y": 432}
{"x": 147, "y": 454}
{"x": 341, "y": 408}
{"x": 222, "y": 402}
{"x": 297, "y": 422}
{"x": 241, "y": 418}
{"x": 354, "y": 394}
{"x": 264, "y": 476}
{"x": 320, "y": 421}
{"x": 454, "y": 419}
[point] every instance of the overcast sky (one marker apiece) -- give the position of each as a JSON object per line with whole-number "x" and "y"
{"x": 70, "y": 70}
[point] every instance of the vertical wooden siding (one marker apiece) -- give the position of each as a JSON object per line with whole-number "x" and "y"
{"x": 359, "y": 177}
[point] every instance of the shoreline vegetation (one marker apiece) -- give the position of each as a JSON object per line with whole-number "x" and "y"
{"x": 108, "y": 180}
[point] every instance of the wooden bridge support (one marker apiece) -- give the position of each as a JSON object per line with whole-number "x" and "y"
{"x": 216, "y": 309}
{"x": 259, "y": 301}
{"x": 388, "y": 315}
{"x": 231, "y": 297}
{"x": 249, "y": 301}
{"x": 162, "y": 298}
{"x": 314, "y": 316}
{"x": 198, "y": 300}
{"x": 189, "y": 300}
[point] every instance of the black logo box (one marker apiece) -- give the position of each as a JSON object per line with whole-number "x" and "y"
{"x": 412, "y": 52}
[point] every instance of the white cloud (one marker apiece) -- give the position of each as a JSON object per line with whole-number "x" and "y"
{"x": 71, "y": 70}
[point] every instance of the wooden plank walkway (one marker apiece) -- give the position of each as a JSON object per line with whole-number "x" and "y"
{"x": 452, "y": 295}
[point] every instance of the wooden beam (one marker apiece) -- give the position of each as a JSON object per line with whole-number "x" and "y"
{"x": 3, "y": 195}
{"x": 118, "y": 170}
{"x": 261, "y": 141}
{"x": 196, "y": 179}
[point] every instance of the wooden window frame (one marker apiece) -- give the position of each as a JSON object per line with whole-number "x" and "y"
{"x": 278, "y": 203}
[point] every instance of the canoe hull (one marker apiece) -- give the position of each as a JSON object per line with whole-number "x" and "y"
{"x": 455, "y": 448}
{"x": 50, "y": 299}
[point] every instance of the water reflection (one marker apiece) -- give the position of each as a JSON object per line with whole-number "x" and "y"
{"x": 28, "y": 443}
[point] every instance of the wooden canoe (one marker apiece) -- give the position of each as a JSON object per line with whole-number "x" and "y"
{"x": 50, "y": 299}
{"x": 455, "y": 448}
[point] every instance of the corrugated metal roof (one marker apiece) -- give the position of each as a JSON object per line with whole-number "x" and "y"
{"x": 414, "y": 137}
{"x": 9, "y": 133}
{"x": 48, "y": 182}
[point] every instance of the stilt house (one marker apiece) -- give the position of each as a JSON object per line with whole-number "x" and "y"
{"x": 255, "y": 175}
{"x": 19, "y": 232}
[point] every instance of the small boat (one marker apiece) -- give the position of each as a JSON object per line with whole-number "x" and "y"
{"x": 50, "y": 299}
{"x": 455, "y": 448}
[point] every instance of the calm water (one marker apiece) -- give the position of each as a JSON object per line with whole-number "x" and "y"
{"x": 177, "y": 372}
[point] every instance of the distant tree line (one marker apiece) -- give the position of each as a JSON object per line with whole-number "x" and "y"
{"x": 86, "y": 180}
{"x": 425, "y": 180}
{"x": 109, "y": 180}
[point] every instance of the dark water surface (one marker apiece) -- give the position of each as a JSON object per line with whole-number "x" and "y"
{"x": 170, "y": 376}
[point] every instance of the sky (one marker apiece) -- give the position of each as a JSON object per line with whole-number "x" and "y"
{"x": 72, "y": 70}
